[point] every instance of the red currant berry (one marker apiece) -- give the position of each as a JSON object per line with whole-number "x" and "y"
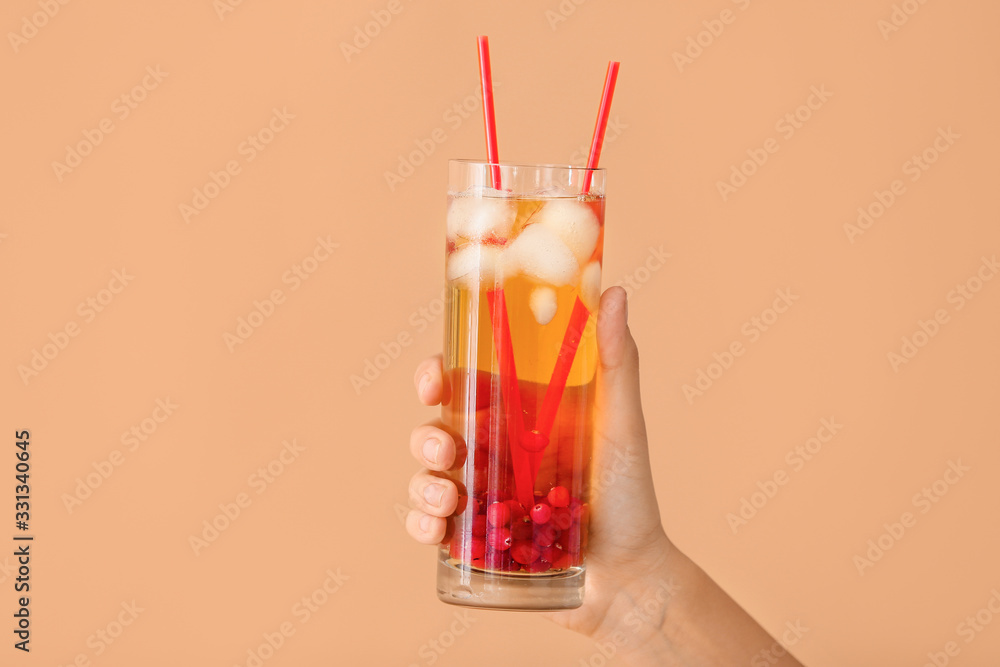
{"x": 480, "y": 480}
{"x": 559, "y": 496}
{"x": 561, "y": 518}
{"x": 524, "y": 552}
{"x": 564, "y": 561}
{"x": 477, "y": 548}
{"x": 521, "y": 530}
{"x": 539, "y": 566}
{"x": 449, "y": 531}
{"x": 546, "y": 535}
{"x": 499, "y": 539}
{"x": 552, "y": 554}
{"x": 479, "y": 525}
{"x": 541, "y": 513}
{"x": 517, "y": 510}
{"x": 498, "y": 514}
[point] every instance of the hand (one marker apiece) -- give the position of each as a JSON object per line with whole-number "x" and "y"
{"x": 642, "y": 594}
{"x": 626, "y": 541}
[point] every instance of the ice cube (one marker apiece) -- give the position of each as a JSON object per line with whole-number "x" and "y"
{"x": 488, "y": 212}
{"x": 543, "y": 304}
{"x": 538, "y": 252}
{"x": 472, "y": 264}
{"x": 574, "y": 222}
{"x": 590, "y": 286}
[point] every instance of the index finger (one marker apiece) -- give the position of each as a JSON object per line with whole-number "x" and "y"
{"x": 430, "y": 381}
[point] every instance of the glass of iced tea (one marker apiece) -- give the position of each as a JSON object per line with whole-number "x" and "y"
{"x": 523, "y": 274}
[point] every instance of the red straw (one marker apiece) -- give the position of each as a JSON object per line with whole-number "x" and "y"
{"x": 578, "y": 319}
{"x": 554, "y": 392}
{"x": 603, "y": 113}
{"x": 502, "y": 344}
{"x": 511, "y": 391}
{"x": 489, "y": 115}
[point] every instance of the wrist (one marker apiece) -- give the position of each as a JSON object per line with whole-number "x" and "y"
{"x": 648, "y": 609}
{"x": 697, "y": 624}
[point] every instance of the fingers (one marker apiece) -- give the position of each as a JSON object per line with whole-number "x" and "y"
{"x": 432, "y": 447}
{"x": 425, "y": 528}
{"x": 433, "y": 499}
{"x": 433, "y": 495}
{"x": 429, "y": 381}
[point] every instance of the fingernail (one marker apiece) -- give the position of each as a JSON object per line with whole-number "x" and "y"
{"x": 433, "y": 493}
{"x": 425, "y": 523}
{"x": 425, "y": 380}
{"x": 431, "y": 449}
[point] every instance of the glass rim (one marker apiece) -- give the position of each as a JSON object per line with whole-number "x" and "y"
{"x": 486, "y": 163}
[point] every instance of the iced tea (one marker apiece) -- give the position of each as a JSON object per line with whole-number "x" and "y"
{"x": 523, "y": 274}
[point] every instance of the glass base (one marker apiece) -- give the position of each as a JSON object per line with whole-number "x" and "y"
{"x": 471, "y": 587}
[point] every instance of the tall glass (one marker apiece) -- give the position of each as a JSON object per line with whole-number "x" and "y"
{"x": 523, "y": 274}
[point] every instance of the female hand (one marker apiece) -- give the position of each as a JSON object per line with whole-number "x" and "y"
{"x": 642, "y": 594}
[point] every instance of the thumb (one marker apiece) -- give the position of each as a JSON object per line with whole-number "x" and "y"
{"x": 619, "y": 405}
{"x": 621, "y": 481}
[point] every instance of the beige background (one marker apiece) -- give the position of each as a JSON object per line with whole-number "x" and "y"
{"x": 676, "y": 132}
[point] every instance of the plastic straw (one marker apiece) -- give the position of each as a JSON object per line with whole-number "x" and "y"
{"x": 554, "y": 392}
{"x": 503, "y": 346}
{"x": 578, "y": 319}
{"x": 489, "y": 114}
{"x": 511, "y": 392}
{"x": 603, "y": 113}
